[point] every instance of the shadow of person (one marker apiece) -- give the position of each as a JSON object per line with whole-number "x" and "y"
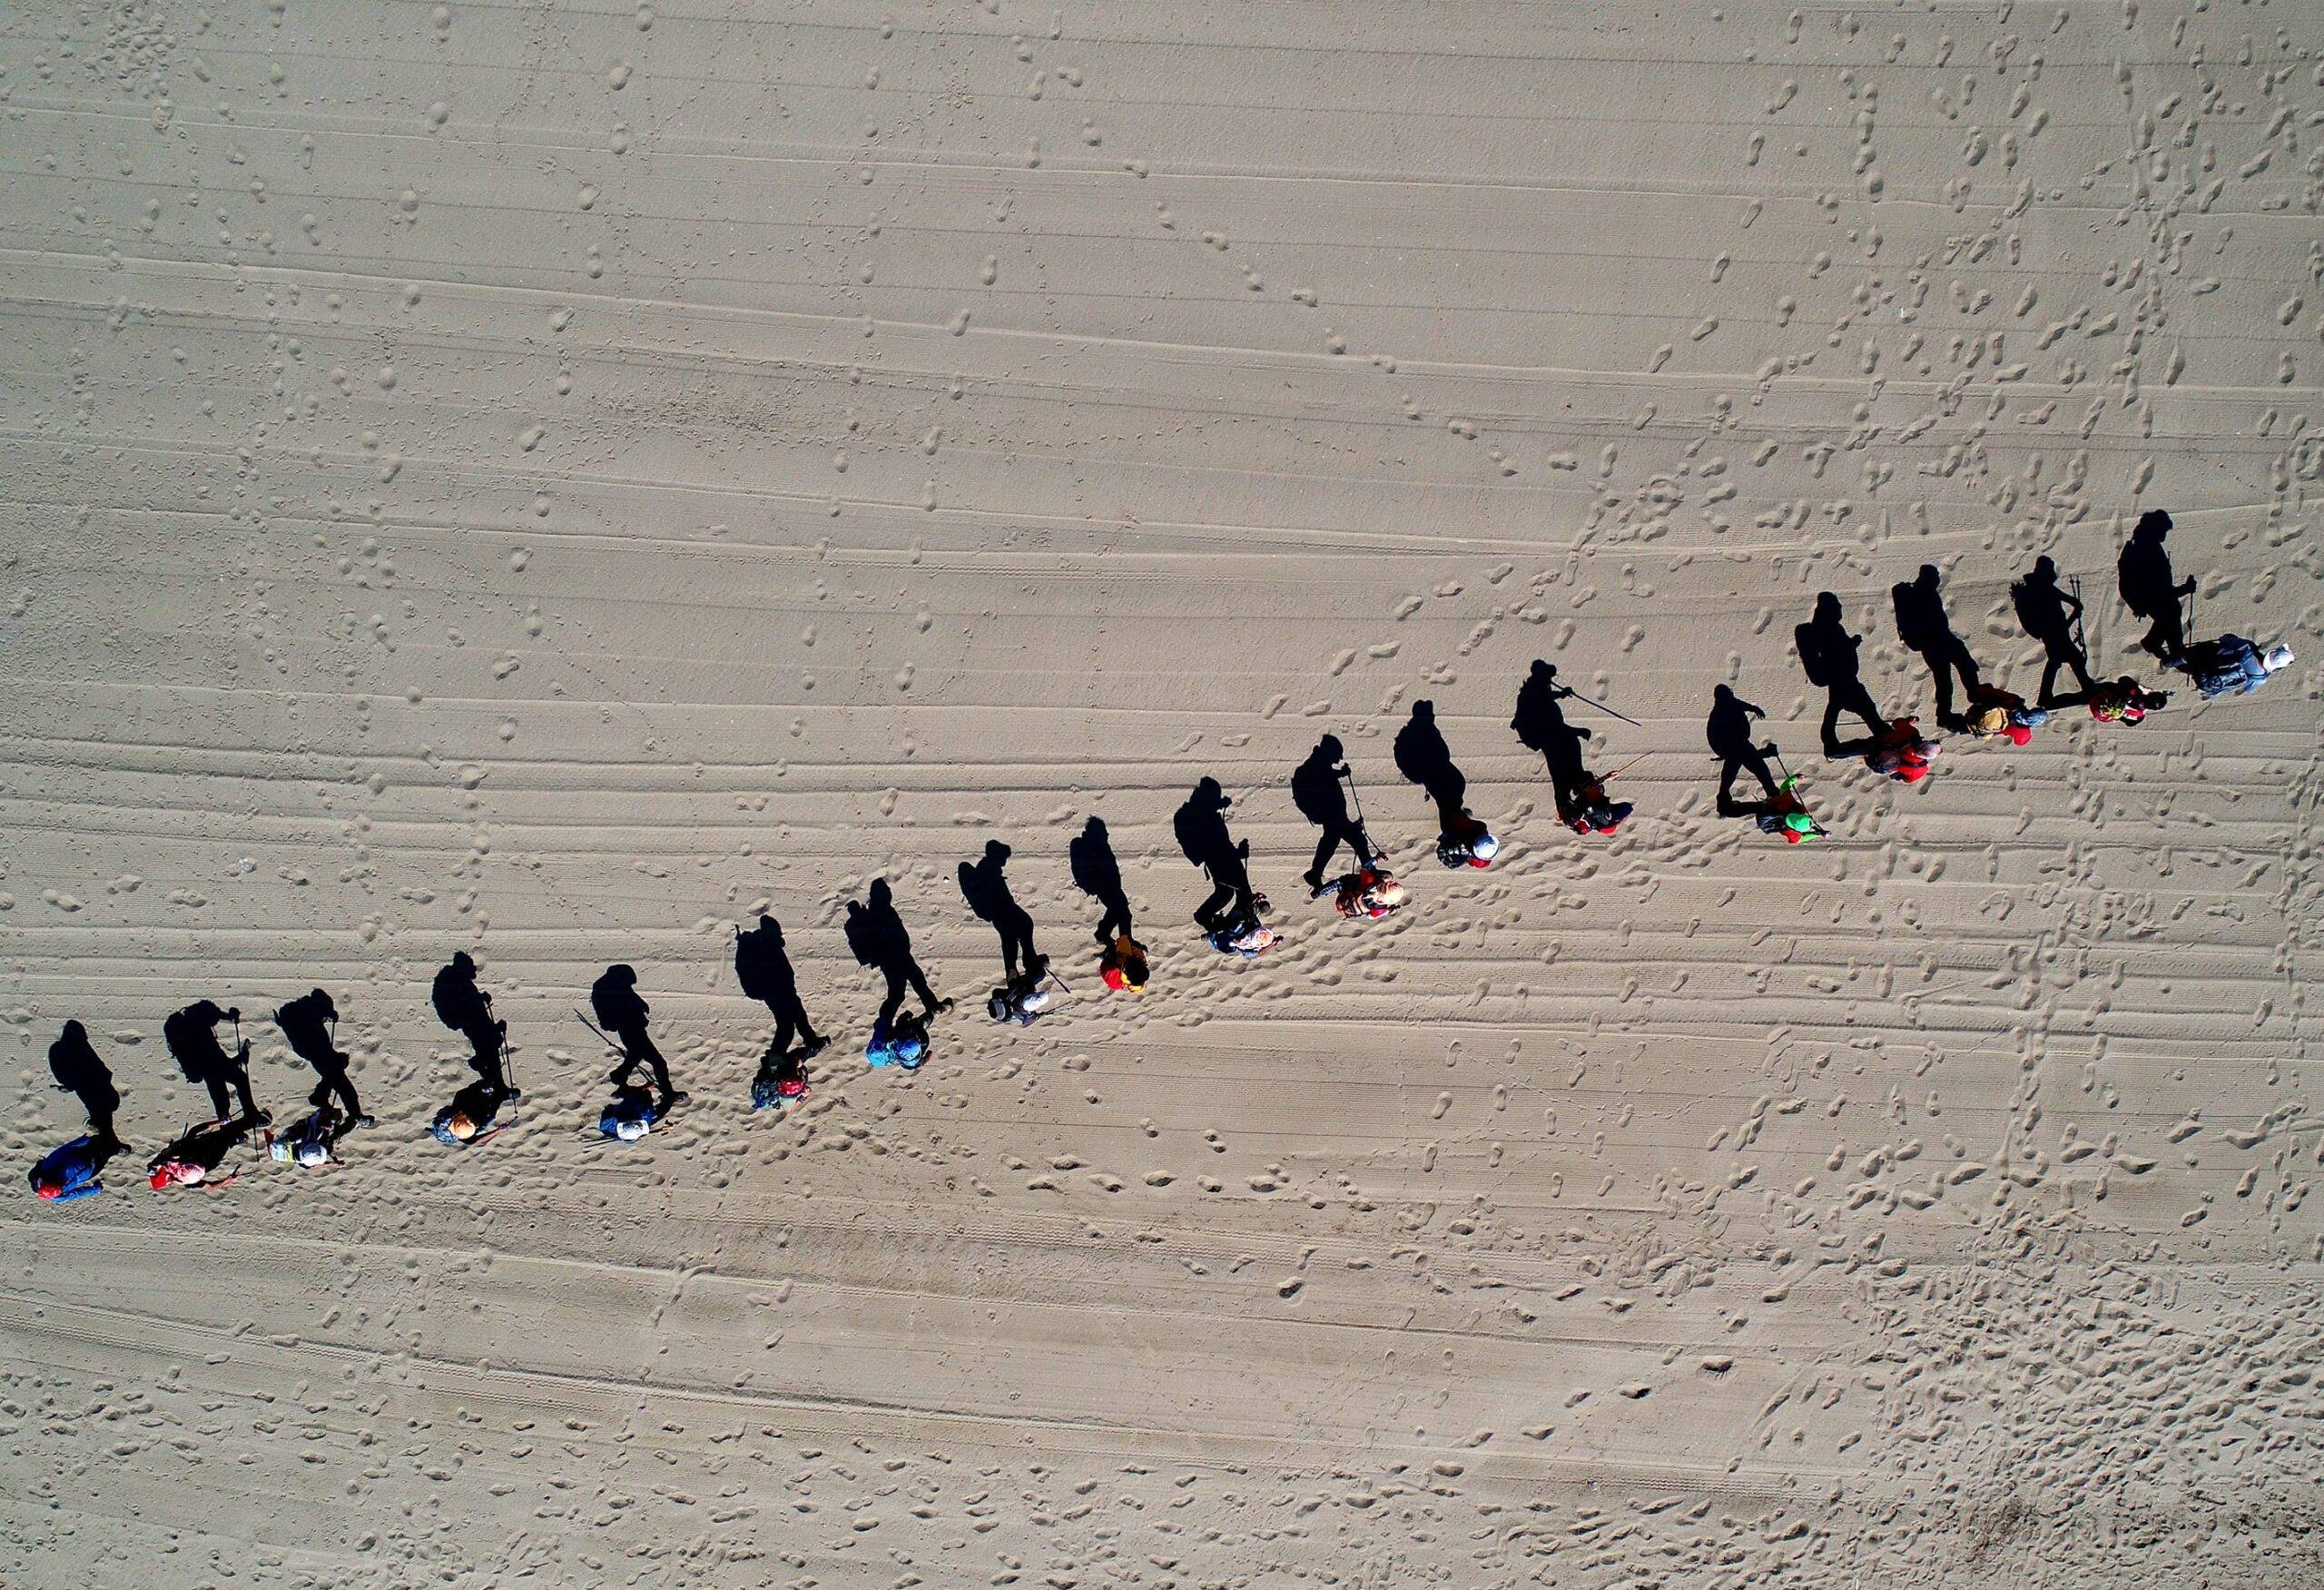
{"x": 1739, "y": 748}
{"x": 1540, "y": 725}
{"x": 2151, "y": 591}
{"x": 1924, "y": 627}
{"x": 73, "y": 1061}
{"x": 1321, "y": 798}
{"x": 621, "y": 1011}
{"x": 310, "y": 1025}
{"x": 1098, "y": 873}
{"x": 2052, "y": 616}
{"x": 1200, "y": 827}
{"x": 466, "y": 1009}
{"x": 762, "y": 966}
{"x": 1828, "y": 653}
{"x": 1424, "y": 759}
{"x": 190, "y": 1035}
{"x": 984, "y": 884}
{"x": 877, "y": 938}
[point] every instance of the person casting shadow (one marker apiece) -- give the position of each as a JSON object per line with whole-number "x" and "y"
{"x": 876, "y": 935}
{"x": 309, "y": 1025}
{"x": 1739, "y": 748}
{"x": 1923, "y": 627}
{"x": 191, "y": 1036}
{"x": 2149, "y": 590}
{"x": 2050, "y": 616}
{"x": 466, "y": 1009}
{"x": 1200, "y": 825}
{"x": 72, "y": 1060}
{"x": 762, "y": 966}
{"x": 70, "y": 1170}
{"x": 1541, "y": 725}
{"x": 1096, "y": 874}
{"x": 1828, "y": 654}
{"x": 984, "y": 884}
{"x": 193, "y": 1160}
{"x": 622, "y": 1012}
{"x": 1322, "y": 799}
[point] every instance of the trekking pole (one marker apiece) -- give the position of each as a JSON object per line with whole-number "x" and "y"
{"x": 1349, "y": 773}
{"x": 2080, "y": 637}
{"x": 1625, "y": 767}
{"x": 618, "y": 1051}
{"x": 1601, "y": 706}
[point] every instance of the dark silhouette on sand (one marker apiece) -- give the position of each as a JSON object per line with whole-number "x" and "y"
{"x": 1200, "y": 825}
{"x": 1322, "y": 799}
{"x": 1828, "y": 654}
{"x": 621, "y": 1011}
{"x": 2151, "y": 591}
{"x": 1737, "y": 746}
{"x": 191, "y": 1037}
{"x": 1423, "y": 757}
{"x": 1096, "y": 874}
{"x": 2052, "y": 616}
{"x": 1924, "y": 627}
{"x": 73, "y": 1061}
{"x": 984, "y": 884}
{"x": 876, "y": 936}
{"x": 466, "y": 1009}
{"x": 308, "y": 1025}
{"x": 762, "y": 966}
{"x": 1541, "y": 727}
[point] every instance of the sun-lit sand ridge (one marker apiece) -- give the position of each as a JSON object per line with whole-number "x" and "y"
{"x": 546, "y": 480}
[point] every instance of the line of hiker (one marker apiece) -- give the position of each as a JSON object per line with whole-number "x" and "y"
{"x": 1232, "y": 918}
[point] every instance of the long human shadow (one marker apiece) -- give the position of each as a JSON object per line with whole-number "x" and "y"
{"x": 1320, "y": 797}
{"x": 1926, "y": 629}
{"x": 984, "y": 884}
{"x": 466, "y": 1009}
{"x": 1097, "y": 873}
{"x": 623, "y": 1012}
{"x": 1828, "y": 653}
{"x": 1737, "y": 745}
{"x": 190, "y": 1035}
{"x": 877, "y": 937}
{"x": 1200, "y": 827}
{"x": 2052, "y": 615}
{"x": 2152, "y": 589}
{"x": 763, "y": 967}
{"x": 1541, "y": 727}
{"x": 80, "y": 1071}
{"x": 309, "y": 1025}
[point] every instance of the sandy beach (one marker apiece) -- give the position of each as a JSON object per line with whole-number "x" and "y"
{"x": 556, "y": 481}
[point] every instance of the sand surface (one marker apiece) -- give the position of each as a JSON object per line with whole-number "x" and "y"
{"x": 549, "y": 480}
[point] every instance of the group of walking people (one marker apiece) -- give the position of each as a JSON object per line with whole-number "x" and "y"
{"x": 1232, "y": 917}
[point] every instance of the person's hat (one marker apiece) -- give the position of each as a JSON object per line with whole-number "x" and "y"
{"x": 1034, "y": 1001}
{"x": 312, "y": 1154}
{"x": 458, "y": 1124}
{"x": 161, "y": 1179}
{"x": 1483, "y": 848}
{"x": 2278, "y": 657}
{"x": 1116, "y": 977}
{"x": 1989, "y": 720}
{"x": 911, "y": 1047}
{"x": 1388, "y": 893}
{"x": 49, "y": 1188}
{"x": 1798, "y": 823}
{"x": 630, "y": 1129}
{"x": 997, "y": 1006}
